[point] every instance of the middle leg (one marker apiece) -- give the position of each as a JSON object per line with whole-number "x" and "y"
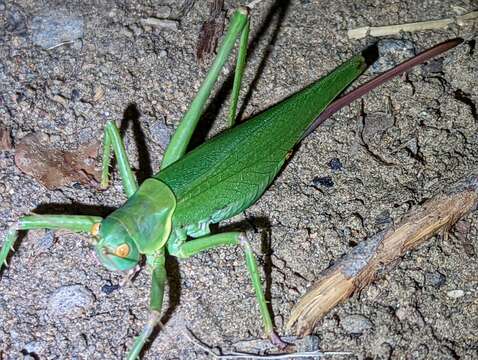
{"x": 195, "y": 246}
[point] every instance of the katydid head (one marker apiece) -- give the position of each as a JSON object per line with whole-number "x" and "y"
{"x": 116, "y": 249}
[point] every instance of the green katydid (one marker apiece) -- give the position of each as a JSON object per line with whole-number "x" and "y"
{"x": 169, "y": 214}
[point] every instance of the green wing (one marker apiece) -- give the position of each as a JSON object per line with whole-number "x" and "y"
{"x": 228, "y": 173}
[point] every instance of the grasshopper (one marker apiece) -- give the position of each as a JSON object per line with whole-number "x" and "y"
{"x": 170, "y": 213}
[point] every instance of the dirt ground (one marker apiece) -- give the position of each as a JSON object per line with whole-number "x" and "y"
{"x": 418, "y": 137}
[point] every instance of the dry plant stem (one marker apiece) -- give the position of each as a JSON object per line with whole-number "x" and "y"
{"x": 464, "y": 20}
{"x": 370, "y": 257}
{"x": 239, "y": 355}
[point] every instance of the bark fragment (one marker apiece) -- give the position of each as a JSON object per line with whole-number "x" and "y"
{"x": 211, "y": 31}
{"x": 55, "y": 168}
{"x": 5, "y": 139}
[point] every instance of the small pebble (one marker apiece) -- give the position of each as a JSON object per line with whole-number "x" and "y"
{"x": 162, "y": 12}
{"x": 56, "y": 28}
{"x": 34, "y": 347}
{"x": 136, "y": 30}
{"x": 356, "y": 324}
{"x": 420, "y": 352}
{"x": 42, "y": 240}
{"x": 402, "y": 313}
{"x": 75, "y": 95}
{"x": 413, "y": 146}
{"x": 335, "y": 164}
{"x": 5, "y": 139}
{"x": 433, "y": 66}
{"x": 16, "y": 22}
{"x": 70, "y": 301}
{"x": 435, "y": 279}
{"x": 375, "y": 125}
{"x": 324, "y": 181}
{"x": 455, "y": 294}
{"x": 383, "y": 218}
{"x": 109, "y": 288}
{"x": 391, "y": 53}
{"x": 308, "y": 343}
{"x": 160, "y": 133}
{"x": 162, "y": 24}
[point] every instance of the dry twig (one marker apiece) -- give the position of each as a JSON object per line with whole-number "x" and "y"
{"x": 464, "y": 20}
{"x": 371, "y": 257}
{"x": 240, "y": 355}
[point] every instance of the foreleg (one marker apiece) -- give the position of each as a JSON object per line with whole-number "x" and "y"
{"x": 76, "y": 223}
{"x": 158, "y": 282}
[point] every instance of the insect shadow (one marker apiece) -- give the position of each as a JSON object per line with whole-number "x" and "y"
{"x": 278, "y": 12}
{"x": 131, "y": 117}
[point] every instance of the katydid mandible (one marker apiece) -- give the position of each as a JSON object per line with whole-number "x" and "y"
{"x": 169, "y": 214}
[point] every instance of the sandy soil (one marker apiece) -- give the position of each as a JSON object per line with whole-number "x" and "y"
{"x": 420, "y": 137}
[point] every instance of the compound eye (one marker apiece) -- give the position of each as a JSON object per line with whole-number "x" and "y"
{"x": 122, "y": 250}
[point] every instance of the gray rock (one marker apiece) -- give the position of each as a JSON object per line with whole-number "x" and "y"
{"x": 420, "y": 352}
{"x": 435, "y": 279}
{"x": 335, "y": 164}
{"x": 51, "y": 30}
{"x": 356, "y": 324}
{"x": 413, "y": 146}
{"x": 3, "y": 304}
{"x": 162, "y": 24}
{"x": 383, "y": 218}
{"x": 34, "y": 347}
{"x": 375, "y": 125}
{"x": 70, "y": 301}
{"x": 160, "y": 133}
{"x": 455, "y": 294}
{"x": 433, "y": 66}
{"x": 42, "y": 240}
{"x": 391, "y": 53}
{"x": 162, "y": 12}
{"x": 16, "y": 22}
{"x": 308, "y": 343}
{"x": 323, "y": 181}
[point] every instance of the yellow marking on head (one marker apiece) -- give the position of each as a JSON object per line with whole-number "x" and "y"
{"x": 95, "y": 229}
{"x": 122, "y": 251}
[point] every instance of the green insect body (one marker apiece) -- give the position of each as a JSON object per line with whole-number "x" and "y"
{"x": 228, "y": 173}
{"x": 218, "y": 179}
{"x": 214, "y": 182}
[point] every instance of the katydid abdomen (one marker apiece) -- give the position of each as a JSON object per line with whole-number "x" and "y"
{"x": 228, "y": 173}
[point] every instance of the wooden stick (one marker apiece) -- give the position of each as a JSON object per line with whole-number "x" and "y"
{"x": 370, "y": 257}
{"x": 361, "y": 32}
